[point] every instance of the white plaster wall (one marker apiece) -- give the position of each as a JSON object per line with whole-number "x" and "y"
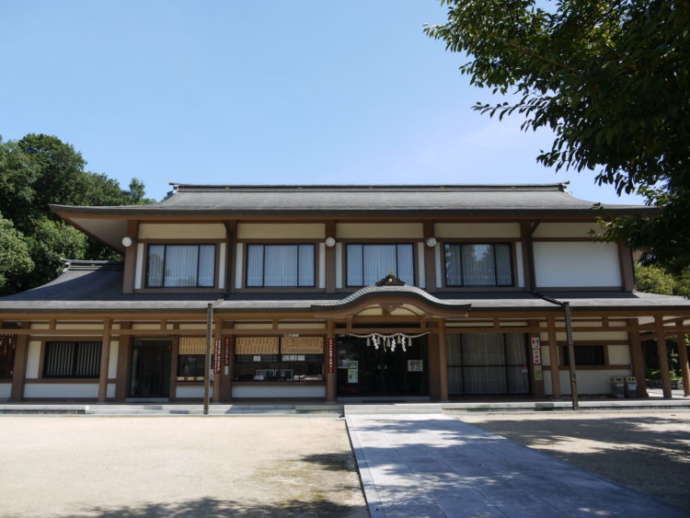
{"x": 421, "y": 267}
{"x": 380, "y": 230}
{"x": 545, "y": 356}
{"x": 110, "y": 392}
{"x": 5, "y": 390}
{"x": 279, "y": 391}
{"x": 192, "y": 391}
{"x": 588, "y": 381}
{"x": 339, "y": 265}
{"x": 139, "y": 267}
{"x": 182, "y": 231}
{"x": 439, "y": 268}
{"x": 576, "y": 264}
{"x": 61, "y": 390}
{"x": 322, "y": 265}
{"x": 239, "y": 265}
{"x": 65, "y": 326}
{"x": 519, "y": 264}
{"x": 478, "y": 230}
{"x": 33, "y": 359}
{"x": 112, "y": 359}
{"x": 566, "y": 229}
{"x": 281, "y": 231}
{"x": 619, "y": 354}
{"x": 222, "y": 265}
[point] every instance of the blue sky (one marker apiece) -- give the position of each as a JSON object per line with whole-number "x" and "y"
{"x": 259, "y": 92}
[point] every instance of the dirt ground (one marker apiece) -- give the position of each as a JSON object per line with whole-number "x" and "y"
{"x": 119, "y": 467}
{"x": 645, "y": 450}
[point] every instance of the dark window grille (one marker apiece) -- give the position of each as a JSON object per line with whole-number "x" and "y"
{"x": 7, "y": 346}
{"x": 72, "y": 360}
{"x": 585, "y": 355}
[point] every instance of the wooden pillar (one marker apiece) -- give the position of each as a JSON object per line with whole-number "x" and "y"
{"x": 554, "y": 359}
{"x": 217, "y": 374}
{"x": 228, "y": 348}
{"x": 174, "y": 353}
{"x": 123, "y": 356}
{"x": 330, "y": 258}
{"x": 442, "y": 361}
{"x": 105, "y": 360}
{"x": 19, "y": 371}
{"x": 526, "y": 231}
{"x": 662, "y": 352}
{"x": 330, "y": 359}
{"x": 637, "y": 357}
{"x": 683, "y": 359}
{"x": 434, "y": 362}
{"x": 230, "y": 255}
{"x": 429, "y": 257}
{"x": 130, "y": 258}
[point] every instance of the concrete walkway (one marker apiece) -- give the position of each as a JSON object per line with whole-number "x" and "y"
{"x": 437, "y": 466}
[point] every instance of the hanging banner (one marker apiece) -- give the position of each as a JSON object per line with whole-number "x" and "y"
{"x": 218, "y": 356}
{"x": 536, "y": 350}
{"x": 331, "y": 354}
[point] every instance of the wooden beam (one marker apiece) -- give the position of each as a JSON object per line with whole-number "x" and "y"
{"x": 683, "y": 360}
{"x": 662, "y": 352}
{"x": 554, "y": 359}
{"x": 637, "y": 357}
{"x": 105, "y": 361}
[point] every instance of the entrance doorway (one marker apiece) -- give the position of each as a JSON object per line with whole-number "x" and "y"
{"x": 367, "y": 371}
{"x": 150, "y": 368}
{"x": 488, "y": 364}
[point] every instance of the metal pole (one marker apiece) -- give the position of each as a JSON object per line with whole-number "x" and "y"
{"x": 207, "y": 364}
{"x": 571, "y": 354}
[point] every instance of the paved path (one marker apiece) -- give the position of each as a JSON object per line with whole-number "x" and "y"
{"x": 437, "y": 466}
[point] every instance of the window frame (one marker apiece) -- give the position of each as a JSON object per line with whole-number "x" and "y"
{"x": 264, "y": 244}
{"x": 346, "y": 260}
{"x": 511, "y": 254}
{"x": 198, "y": 245}
{"x": 563, "y": 353}
{"x": 44, "y": 355}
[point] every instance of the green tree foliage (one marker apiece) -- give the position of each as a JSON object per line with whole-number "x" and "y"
{"x": 15, "y": 259}
{"x": 36, "y": 171}
{"x": 656, "y": 279}
{"x": 611, "y": 79}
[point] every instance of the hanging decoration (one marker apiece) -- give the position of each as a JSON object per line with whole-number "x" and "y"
{"x": 389, "y": 342}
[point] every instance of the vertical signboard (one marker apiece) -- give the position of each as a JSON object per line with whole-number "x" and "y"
{"x": 535, "y": 343}
{"x": 331, "y": 354}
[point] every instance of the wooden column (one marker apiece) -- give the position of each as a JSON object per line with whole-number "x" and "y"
{"x": 105, "y": 361}
{"x": 230, "y": 254}
{"x": 526, "y": 231}
{"x": 442, "y": 361}
{"x": 174, "y": 353}
{"x": 124, "y": 353}
{"x": 130, "y": 258}
{"x": 330, "y": 258}
{"x": 226, "y": 380}
{"x": 637, "y": 357}
{"x": 554, "y": 358}
{"x": 330, "y": 359}
{"x": 627, "y": 267}
{"x": 662, "y": 352}
{"x": 19, "y": 371}
{"x": 429, "y": 258}
{"x": 217, "y": 376}
{"x": 683, "y": 359}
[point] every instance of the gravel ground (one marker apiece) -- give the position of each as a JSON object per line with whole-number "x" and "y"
{"x": 645, "y": 450}
{"x": 118, "y": 467}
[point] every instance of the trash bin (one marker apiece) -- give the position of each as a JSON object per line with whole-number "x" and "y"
{"x": 630, "y": 386}
{"x": 618, "y": 386}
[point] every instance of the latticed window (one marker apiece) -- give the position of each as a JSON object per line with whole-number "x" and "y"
{"x": 72, "y": 360}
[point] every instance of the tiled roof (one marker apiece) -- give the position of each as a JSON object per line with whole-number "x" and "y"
{"x": 92, "y": 286}
{"x": 368, "y": 199}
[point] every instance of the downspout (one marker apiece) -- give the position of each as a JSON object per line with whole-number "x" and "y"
{"x": 570, "y": 342}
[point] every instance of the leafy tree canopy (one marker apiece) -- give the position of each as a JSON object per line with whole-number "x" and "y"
{"x": 611, "y": 79}
{"x": 35, "y": 171}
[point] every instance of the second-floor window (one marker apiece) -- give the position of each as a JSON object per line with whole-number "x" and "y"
{"x": 181, "y": 266}
{"x": 369, "y": 263}
{"x": 478, "y": 264}
{"x": 280, "y": 266}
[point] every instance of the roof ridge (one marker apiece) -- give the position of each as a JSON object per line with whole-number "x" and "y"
{"x": 182, "y": 187}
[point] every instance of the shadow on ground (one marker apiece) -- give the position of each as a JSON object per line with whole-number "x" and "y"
{"x": 648, "y": 453}
{"x": 212, "y": 508}
{"x": 493, "y": 480}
